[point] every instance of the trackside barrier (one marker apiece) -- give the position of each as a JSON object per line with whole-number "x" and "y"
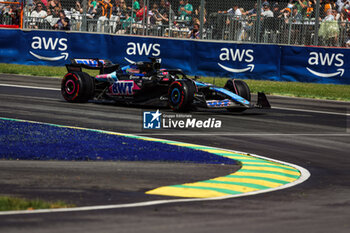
{"x": 220, "y": 59}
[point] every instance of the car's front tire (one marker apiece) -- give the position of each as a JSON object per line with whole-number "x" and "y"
{"x": 240, "y": 88}
{"x": 180, "y": 95}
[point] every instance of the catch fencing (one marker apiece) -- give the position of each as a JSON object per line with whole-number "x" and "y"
{"x": 295, "y": 22}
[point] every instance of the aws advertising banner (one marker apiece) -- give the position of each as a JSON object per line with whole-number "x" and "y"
{"x": 253, "y": 61}
{"x": 318, "y": 65}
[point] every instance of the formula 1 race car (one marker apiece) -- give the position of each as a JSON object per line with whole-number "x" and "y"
{"x": 145, "y": 82}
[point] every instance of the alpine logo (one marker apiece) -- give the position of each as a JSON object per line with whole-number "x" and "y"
{"x": 43, "y": 47}
{"x": 245, "y": 55}
{"x": 326, "y": 60}
{"x": 142, "y": 49}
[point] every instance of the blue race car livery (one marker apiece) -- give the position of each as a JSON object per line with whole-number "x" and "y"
{"x": 146, "y": 82}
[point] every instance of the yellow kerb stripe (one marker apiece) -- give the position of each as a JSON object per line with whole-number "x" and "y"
{"x": 185, "y": 192}
{"x": 186, "y": 145}
{"x": 273, "y": 176}
{"x": 273, "y": 169}
{"x": 250, "y": 181}
{"x": 231, "y": 187}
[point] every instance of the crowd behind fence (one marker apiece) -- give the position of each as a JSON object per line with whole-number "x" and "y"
{"x": 295, "y": 22}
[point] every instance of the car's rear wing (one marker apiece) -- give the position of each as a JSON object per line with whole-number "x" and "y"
{"x": 105, "y": 66}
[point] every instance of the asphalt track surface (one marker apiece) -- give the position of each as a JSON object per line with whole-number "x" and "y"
{"x": 310, "y": 133}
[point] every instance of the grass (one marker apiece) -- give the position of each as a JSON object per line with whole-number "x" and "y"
{"x": 294, "y": 89}
{"x": 13, "y": 203}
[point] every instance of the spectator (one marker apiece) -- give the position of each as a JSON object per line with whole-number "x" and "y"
{"x": 135, "y": 7}
{"x": 235, "y": 11}
{"x": 106, "y": 8}
{"x": 347, "y": 5}
{"x": 185, "y": 10}
{"x": 252, "y": 12}
{"x": 246, "y": 28}
{"x": 141, "y": 12}
{"x": 276, "y": 9}
{"x": 329, "y": 29}
{"x": 267, "y": 11}
{"x": 92, "y": 7}
{"x": 329, "y": 5}
{"x": 45, "y": 2}
{"x": 56, "y": 12}
{"x": 117, "y": 13}
{"x": 265, "y": 3}
{"x": 340, "y": 5}
{"x": 336, "y": 15}
{"x": 343, "y": 18}
{"x": 296, "y": 16}
{"x": 301, "y": 5}
{"x": 126, "y": 22}
{"x": 197, "y": 13}
{"x": 36, "y": 2}
{"x": 329, "y": 16}
{"x": 55, "y": 3}
{"x": 50, "y": 19}
{"x": 14, "y": 15}
{"x": 154, "y": 15}
{"x": 63, "y": 22}
{"x": 310, "y": 13}
{"x": 118, "y": 10}
{"x": 103, "y": 13}
{"x": 123, "y": 9}
{"x": 286, "y": 14}
{"x": 347, "y": 14}
{"x": 165, "y": 16}
{"x": 194, "y": 33}
{"x": 37, "y": 16}
{"x": 78, "y": 7}
{"x": 39, "y": 12}
{"x": 162, "y": 7}
{"x": 290, "y": 4}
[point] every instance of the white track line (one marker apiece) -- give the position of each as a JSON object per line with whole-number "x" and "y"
{"x": 312, "y": 111}
{"x": 279, "y": 108}
{"x": 305, "y": 174}
{"x": 30, "y": 87}
{"x": 248, "y": 134}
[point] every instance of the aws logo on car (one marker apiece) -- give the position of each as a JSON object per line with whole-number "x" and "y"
{"x": 326, "y": 60}
{"x": 244, "y": 55}
{"x": 49, "y": 49}
{"x": 142, "y": 49}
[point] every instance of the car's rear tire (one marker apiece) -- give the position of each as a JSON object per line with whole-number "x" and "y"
{"x": 240, "y": 88}
{"x": 77, "y": 87}
{"x": 180, "y": 95}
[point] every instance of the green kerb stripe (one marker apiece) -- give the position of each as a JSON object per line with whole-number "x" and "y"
{"x": 273, "y": 166}
{"x": 249, "y": 185}
{"x": 230, "y": 155}
{"x": 257, "y": 161}
{"x": 198, "y": 147}
{"x": 226, "y": 191}
{"x": 269, "y": 172}
{"x": 259, "y": 178}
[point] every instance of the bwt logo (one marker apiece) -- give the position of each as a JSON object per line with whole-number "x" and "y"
{"x": 245, "y": 55}
{"x": 123, "y": 88}
{"x": 49, "y": 44}
{"x": 141, "y": 49}
{"x": 326, "y": 59}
